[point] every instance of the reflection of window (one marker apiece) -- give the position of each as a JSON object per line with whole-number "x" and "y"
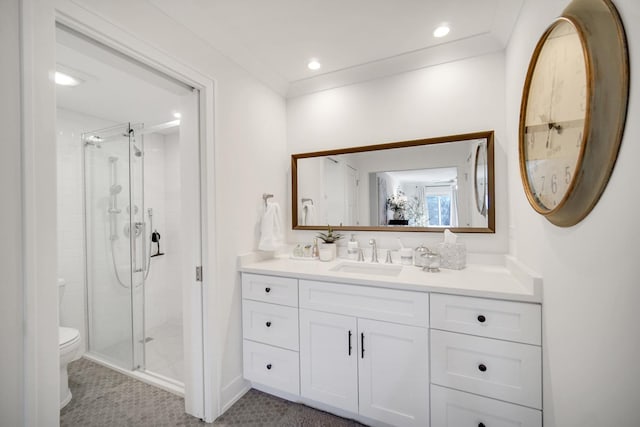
{"x": 438, "y": 200}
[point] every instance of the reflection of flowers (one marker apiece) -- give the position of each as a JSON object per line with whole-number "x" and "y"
{"x": 397, "y": 203}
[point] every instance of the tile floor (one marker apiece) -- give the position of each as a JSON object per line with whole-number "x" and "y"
{"x": 105, "y": 398}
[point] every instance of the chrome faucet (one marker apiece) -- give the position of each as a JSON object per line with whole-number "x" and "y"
{"x": 374, "y": 250}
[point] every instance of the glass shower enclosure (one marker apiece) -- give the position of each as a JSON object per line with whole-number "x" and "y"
{"x": 117, "y": 236}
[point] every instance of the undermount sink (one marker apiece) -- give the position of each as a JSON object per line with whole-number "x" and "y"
{"x": 372, "y": 269}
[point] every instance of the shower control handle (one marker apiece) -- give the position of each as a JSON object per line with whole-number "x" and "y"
{"x": 269, "y": 366}
{"x": 268, "y": 324}
{"x": 267, "y": 290}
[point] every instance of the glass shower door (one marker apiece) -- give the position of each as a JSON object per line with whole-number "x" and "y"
{"x": 113, "y": 230}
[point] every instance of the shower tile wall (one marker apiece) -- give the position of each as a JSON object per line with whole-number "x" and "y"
{"x": 163, "y": 293}
{"x": 70, "y": 126}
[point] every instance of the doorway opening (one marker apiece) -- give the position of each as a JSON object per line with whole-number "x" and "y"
{"x": 128, "y": 146}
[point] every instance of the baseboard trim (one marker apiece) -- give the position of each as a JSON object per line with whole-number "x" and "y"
{"x": 232, "y": 392}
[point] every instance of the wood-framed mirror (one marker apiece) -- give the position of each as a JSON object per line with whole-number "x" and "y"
{"x": 427, "y": 185}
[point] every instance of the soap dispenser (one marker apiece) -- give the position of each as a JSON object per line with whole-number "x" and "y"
{"x": 352, "y": 248}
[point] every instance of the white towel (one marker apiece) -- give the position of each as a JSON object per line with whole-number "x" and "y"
{"x": 270, "y": 228}
{"x": 309, "y": 214}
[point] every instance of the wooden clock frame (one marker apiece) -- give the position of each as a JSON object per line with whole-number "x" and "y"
{"x": 604, "y": 45}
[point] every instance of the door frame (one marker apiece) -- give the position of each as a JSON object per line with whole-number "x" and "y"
{"x": 38, "y": 21}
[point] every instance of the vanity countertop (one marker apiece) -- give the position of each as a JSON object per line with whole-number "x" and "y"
{"x": 509, "y": 281}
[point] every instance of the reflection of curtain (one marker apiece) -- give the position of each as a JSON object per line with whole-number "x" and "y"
{"x": 382, "y": 201}
{"x": 454, "y": 205}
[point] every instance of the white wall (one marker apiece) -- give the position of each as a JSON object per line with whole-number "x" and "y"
{"x": 590, "y": 271}
{"x": 441, "y": 100}
{"x": 11, "y": 298}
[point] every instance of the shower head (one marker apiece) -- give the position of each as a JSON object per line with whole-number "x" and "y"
{"x": 115, "y": 189}
{"x": 136, "y": 151}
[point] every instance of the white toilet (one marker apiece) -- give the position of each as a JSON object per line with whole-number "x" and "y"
{"x": 69, "y": 340}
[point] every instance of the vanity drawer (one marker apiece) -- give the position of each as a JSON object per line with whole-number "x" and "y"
{"x": 273, "y": 289}
{"x": 452, "y": 408}
{"x": 270, "y": 324}
{"x": 391, "y": 305}
{"x": 500, "y": 369}
{"x": 513, "y": 321}
{"x": 272, "y": 366}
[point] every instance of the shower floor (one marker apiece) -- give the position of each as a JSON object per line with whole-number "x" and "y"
{"x": 163, "y": 352}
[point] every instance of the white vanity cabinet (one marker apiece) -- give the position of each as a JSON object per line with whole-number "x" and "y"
{"x": 486, "y": 362}
{"x": 389, "y": 356}
{"x": 377, "y": 368}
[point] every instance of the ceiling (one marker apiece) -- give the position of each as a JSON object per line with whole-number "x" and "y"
{"x": 355, "y": 40}
{"x": 113, "y": 87}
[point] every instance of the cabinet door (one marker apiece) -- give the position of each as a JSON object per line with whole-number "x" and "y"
{"x": 328, "y": 359}
{"x": 393, "y": 365}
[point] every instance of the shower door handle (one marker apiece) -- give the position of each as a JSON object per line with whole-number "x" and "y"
{"x": 140, "y": 229}
{"x": 144, "y": 246}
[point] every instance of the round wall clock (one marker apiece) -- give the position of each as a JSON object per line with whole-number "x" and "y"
{"x": 573, "y": 111}
{"x": 480, "y": 178}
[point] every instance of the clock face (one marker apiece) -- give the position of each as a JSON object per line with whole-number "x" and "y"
{"x": 553, "y": 128}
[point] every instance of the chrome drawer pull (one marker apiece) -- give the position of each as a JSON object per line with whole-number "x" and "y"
{"x": 268, "y": 324}
{"x": 481, "y": 425}
{"x": 267, "y": 290}
{"x": 481, "y": 319}
{"x": 482, "y": 367}
{"x": 269, "y": 366}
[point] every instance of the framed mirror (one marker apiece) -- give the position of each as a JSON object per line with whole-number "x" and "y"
{"x": 421, "y": 185}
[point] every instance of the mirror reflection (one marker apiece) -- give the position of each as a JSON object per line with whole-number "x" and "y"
{"x": 423, "y": 185}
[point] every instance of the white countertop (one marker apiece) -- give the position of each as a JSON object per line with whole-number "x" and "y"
{"x": 510, "y": 281}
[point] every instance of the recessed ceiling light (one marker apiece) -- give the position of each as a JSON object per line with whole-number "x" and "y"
{"x": 66, "y": 80}
{"x": 441, "y": 31}
{"x": 177, "y": 115}
{"x": 313, "y": 65}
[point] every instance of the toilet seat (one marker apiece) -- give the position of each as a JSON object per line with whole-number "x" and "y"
{"x": 67, "y": 337}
